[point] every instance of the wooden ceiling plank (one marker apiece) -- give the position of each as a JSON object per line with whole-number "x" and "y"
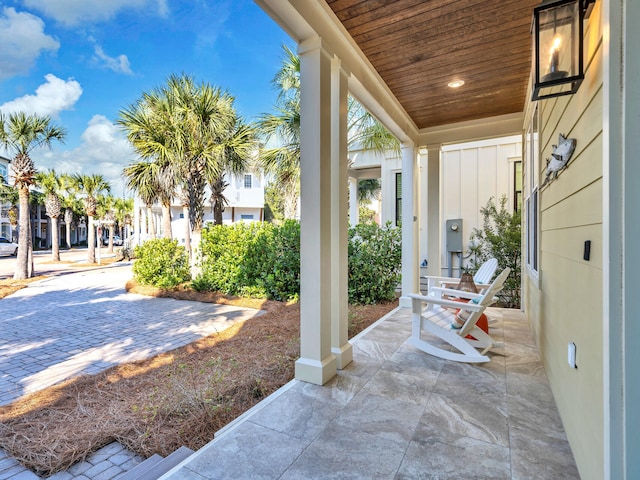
{"x": 440, "y": 21}
{"x": 417, "y": 46}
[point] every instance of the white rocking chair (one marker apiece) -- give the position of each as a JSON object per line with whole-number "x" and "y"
{"x": 431, "y": 313}
{"x": 481, "y": 278}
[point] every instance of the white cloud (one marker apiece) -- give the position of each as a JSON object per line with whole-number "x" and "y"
{"x": 22, "y": 39}
{"x": 50, "y": 99}
{"x": 119, "y": 64}
{"x": 74, "y": 12}
{"x": 163, "y": 8}
{"x": 104, "y": 150}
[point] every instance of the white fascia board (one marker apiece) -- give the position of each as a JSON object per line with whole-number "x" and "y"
{"x": 473, "y": 130}
{"x": 305, "y": 19}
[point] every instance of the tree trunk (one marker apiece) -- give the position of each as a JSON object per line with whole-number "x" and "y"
{"x": 166, "y": 221}
{"x": 55, "y": 241}
{"x": 91, "y": 241}
{"x": 112, "y": 230}
{"x": 152, "y": 223}
{"x": 217, "y": 213}
{"x": 195, "y": 257}
{"x": 68, "y": 220}
{"x": 187, "y": 233}
{"x": 30, "y": 269}
{"x": 22, "y": 259}
{"x": 290, "y": 204}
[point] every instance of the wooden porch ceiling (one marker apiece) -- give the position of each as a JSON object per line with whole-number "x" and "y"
{"x": 419, "y": 46}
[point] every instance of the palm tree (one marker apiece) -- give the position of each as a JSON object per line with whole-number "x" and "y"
{"x": 283, "y": 128}
{"x": 154, "y": 181}
{"x": 365, "y": 132}
{"x": 20, "y": 134}
{"x": 105, "y": 211}
{"x": 368, "y": 189}
{"x": 91, "y": 186}
{"x": 195, "y": 129}
{"x": 71, "y": 204}
{"x": 218, "y": 200}
{"x": 36, "y": 202}
{"x": 51, "y": 185}
{"x": 123, "y": 208}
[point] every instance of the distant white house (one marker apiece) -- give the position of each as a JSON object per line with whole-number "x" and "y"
{"x": 245, "y": 195}
{"x": 470, "y": 174}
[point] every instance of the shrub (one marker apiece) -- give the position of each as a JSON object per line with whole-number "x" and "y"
{"x": 500, "y": 237}
{"x": 161, "y": 263}
{"x": 263, "y": 260}
{"x": 375, "y": 262}
{"x": 274, "y": 264}
{"x": 256, "y": 259}
{"x": 224, "y": 249}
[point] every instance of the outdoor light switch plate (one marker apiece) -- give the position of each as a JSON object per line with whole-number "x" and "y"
{"x": 571, "y": 355}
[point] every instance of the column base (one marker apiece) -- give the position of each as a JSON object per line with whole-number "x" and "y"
{"x": 344, "y": 355}
{"x": 405, "y": 302}
{"x": 316, "y": 371}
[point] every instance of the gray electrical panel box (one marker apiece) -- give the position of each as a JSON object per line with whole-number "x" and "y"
{"x": 454, "y": 235}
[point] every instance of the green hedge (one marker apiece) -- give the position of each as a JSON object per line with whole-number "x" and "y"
{"x": 263, "y": 260}
{"x": 251, "y": 259}
{"x": 161, "y": 263}
{"x": 375, "y": 262}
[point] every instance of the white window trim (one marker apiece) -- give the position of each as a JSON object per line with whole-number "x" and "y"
{"x": 531, "y": 154}
{"x": 247, "y": 176}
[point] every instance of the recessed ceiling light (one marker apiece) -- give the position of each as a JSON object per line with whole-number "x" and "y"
{"x": 455, "y": 83}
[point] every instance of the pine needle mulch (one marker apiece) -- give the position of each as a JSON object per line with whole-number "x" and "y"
{"x": 176, "y": 398}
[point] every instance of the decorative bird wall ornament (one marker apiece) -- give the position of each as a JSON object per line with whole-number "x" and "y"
{"x": 559, "y": 157}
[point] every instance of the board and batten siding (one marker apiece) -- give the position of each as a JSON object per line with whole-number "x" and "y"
{"x": 564, "y": 302}
{"x": 470, "y": 175}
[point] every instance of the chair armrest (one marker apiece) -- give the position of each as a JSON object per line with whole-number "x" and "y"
{"x": 434, "y": 281}
{"x": 439, "y": 291}
{"x": 418, "y": 300}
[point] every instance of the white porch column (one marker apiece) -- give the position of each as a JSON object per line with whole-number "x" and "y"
{"x": 410, "y": 261}
{"x": 316, "y": 363}
{"x": 340, "y": 345}
{"x": 354, "y": 214}
{"x": 434, "y": 255}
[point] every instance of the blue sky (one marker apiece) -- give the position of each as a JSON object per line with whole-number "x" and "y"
{"x": 82, "y": 61}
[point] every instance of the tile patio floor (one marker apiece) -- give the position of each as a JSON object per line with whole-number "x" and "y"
{"x": 398, "y": 413}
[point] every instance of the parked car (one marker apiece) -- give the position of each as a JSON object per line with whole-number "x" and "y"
{"x": 117, "y": 241}
{"x": 7, "y": 247}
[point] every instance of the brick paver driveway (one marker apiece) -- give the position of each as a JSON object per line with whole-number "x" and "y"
{"x": 83, "y": 323}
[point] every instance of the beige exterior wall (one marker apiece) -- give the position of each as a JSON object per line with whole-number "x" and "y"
{"x": 564, "y": 301}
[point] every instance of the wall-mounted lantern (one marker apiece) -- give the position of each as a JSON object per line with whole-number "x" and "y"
{"x": 558, "y": 66}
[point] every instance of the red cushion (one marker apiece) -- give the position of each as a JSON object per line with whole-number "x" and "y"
{"x": 482, "y": 323}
